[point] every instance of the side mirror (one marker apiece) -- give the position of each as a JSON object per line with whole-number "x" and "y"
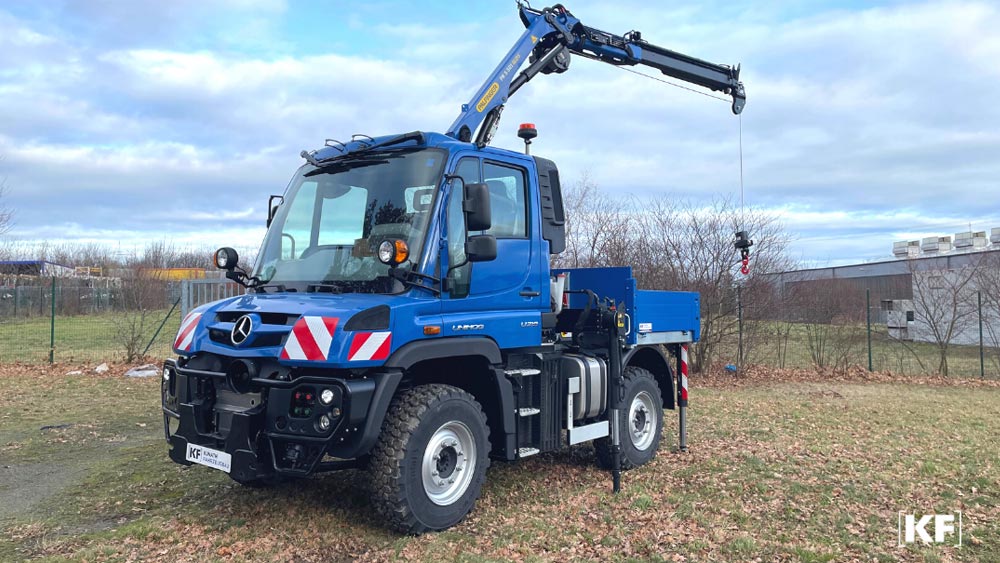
{"x": 272, "y": 207}
{"x": 478, "y": 215}
{"x": 481, "y": 248}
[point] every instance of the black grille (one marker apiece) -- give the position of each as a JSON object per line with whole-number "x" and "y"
{"x": 256, "y": 341}
{"x": 265, "y": 318}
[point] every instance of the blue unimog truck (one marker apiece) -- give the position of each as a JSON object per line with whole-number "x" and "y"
{"x": 402, "y": 315}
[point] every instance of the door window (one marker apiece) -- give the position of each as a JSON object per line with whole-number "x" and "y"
{"x": 507, "y": 201}
{"x": 459, "y": 267}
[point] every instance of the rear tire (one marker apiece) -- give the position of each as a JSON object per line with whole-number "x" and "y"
{"x": 429, "y": 463}
{"x": 640, "y": 420}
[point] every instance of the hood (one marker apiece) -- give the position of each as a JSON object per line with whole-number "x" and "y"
{"x": 315, "y": 329}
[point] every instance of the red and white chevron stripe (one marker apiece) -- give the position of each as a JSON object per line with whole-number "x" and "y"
{"x": 370, "y": 346}
{"x": 185, "y": 335}
{"x": 310, "y": 339}
{"x": 684, "y": 372}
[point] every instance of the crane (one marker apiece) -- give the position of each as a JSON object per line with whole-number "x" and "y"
{"x": 551, "y": 35}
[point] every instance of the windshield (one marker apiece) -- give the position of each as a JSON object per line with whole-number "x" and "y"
{"x": 333, "y": 218}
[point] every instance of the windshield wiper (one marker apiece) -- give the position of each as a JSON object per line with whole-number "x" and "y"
{"x": 277, "y": 286}
{"x": 326, "y": 286}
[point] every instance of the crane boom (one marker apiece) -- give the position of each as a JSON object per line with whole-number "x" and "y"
{"x": 550, "y": 36}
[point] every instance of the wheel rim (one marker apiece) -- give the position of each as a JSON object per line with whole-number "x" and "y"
{"x": 449, "y": 463}
{"x": 642, "y": 421}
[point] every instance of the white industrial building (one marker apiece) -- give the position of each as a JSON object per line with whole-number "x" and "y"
{"x": 928, "y": 278}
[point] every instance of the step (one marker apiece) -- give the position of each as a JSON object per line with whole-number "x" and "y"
{"x": 522, "y": 372}
{"x": 528, "y": 411}
{"x": 525, "y": 452}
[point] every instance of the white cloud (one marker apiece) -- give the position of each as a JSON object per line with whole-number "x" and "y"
{"x": 851, "y": 116}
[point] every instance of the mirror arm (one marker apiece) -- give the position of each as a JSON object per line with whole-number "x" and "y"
{"x": 404, "y": 277}
{"x": 240, "y": 276}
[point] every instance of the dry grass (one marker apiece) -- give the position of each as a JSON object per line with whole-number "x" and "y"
{"x": 791, "y": 470}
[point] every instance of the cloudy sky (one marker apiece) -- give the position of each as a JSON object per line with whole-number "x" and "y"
{"x": 866, "y": 122}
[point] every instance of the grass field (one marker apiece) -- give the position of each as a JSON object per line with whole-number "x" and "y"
{"x": 795, "y": 471}
{"x": 888, "y": 354}
{"x": 90, "y": 338}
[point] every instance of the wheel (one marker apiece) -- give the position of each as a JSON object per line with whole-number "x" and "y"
{"x": 430, "y": 460}
{"x": 640, "y": 420}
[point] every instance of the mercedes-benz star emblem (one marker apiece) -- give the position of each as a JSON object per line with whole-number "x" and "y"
{"x": 241, "y": 330}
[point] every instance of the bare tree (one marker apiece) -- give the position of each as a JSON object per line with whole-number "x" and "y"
{"x": 597, "y": 228}
{"x": 681, "y": 246}
{"x": 141, "y": 297}
{"x": 692, "y": 250}
{"x": 944, "y": 303}
{"x": 831, "y": 312}
{"x": 988, "y": 284}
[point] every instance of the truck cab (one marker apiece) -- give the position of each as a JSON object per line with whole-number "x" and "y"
{"x": 393, "y": 265}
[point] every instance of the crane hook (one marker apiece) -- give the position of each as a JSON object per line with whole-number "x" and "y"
{"x": 743, "y": 244}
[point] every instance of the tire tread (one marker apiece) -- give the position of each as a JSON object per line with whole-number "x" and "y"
{"x": 602, "y": 446}
{"x": 388, "y": 455}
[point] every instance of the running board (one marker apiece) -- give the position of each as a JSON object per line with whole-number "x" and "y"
{"x": 589, "y": 432}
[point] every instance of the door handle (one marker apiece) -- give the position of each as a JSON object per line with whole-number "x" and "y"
{"x": 527, "y": 292}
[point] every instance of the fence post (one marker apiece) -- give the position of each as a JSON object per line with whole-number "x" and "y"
{"x": 868, "y": 316}
{"x": 982, "y": 353}
{"x": 157, "y": 333}
{"x": 16, "y": 296}
{"x": 185, "y": 297}
{"x": 52, "y": 324}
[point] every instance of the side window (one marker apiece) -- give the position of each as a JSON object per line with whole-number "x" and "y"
{"x": 507, "y": 200}
{"x": 298, "y": 224}
{"x": 459, "y": 277}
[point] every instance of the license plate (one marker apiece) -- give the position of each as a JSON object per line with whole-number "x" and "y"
{"x": 209, "y": 457}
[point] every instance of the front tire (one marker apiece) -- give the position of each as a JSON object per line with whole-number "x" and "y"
{"x": 430, "y": 461}
{"x": 640, "y": 420}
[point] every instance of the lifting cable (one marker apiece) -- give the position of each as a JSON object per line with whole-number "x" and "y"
{"x": 743, "y": 242}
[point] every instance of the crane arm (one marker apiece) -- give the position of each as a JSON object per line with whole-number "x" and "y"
{"x": 550, "y": 36}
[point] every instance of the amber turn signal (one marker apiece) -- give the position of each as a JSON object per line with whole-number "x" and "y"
{"x": 393, "y": 252}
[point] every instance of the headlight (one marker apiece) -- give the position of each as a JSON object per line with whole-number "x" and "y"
{"x": 226, "y": 258}
{"x": 166, "y": 374}
{"x": 386, "y": 252}
{"x": 393, "y": 252}
{"x": 324, "y": 423}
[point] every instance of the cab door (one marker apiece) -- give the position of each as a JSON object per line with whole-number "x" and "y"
{"x": 501, "y": 298}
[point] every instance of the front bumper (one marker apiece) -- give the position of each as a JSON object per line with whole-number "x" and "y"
{"x": 268, "y": 426}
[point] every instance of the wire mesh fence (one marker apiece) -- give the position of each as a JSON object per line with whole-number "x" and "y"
{"x": 837, "y": 326}
{"x": 91, "y": 320}
{"x": 828, "y": 326}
